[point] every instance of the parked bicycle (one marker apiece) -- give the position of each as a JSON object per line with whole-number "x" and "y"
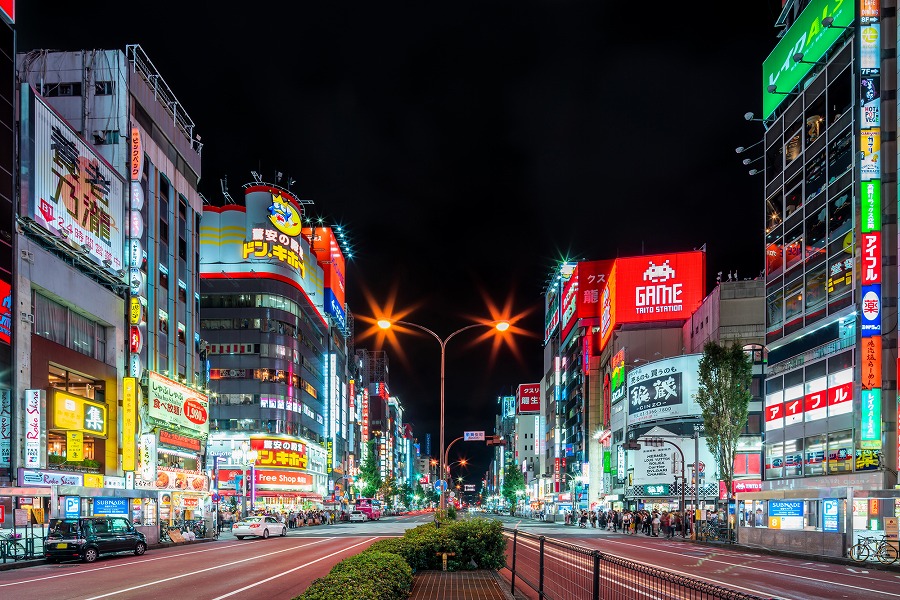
{"x": 868, "y": 546}
{"x": 11, "y": 546}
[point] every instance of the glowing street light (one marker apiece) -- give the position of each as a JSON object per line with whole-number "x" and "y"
{"x": 498, "y": 325}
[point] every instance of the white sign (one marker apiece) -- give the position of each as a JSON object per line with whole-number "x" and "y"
{"x": 5, "y": 426}
{"x": 114, "y": 483}
{"x": 664, "y": 389}
{"x": 76, "y": 193}
{"x": 473, "y": 436}
{"x": 33, "y": 401}
{"x": 176, "y": 404}
{"x": 654, "y": 464}
{"x": 48, "y": 478}
{"x": 147, "y": 463}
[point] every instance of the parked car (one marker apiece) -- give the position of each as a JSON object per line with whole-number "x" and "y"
{"x": 358, "y": 516}
{"x": 86, "y": 538}
{"x": 259, "y": 526}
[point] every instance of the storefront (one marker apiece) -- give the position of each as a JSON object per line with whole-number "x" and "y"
{"x": 174, "y": 421}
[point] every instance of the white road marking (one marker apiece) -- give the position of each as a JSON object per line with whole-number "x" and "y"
{"x": 119, "y": 565}
{"x": 236, "y": 562}
{"x": 312, "y": 562}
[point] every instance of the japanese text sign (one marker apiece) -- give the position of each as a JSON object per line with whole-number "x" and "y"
{"x": 74, "y": 413}
{"x": 275, "y": 452}
{"x": 529, "y": 398}
{"x": 176, "y": 404}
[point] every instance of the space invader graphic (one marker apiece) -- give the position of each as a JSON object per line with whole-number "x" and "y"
{"x": 659, "y": 273}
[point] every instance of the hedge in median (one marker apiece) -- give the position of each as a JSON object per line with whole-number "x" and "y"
{"x": 355, "y": 577}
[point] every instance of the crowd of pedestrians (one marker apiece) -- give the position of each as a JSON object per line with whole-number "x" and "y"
{"x": 652, "y": 523}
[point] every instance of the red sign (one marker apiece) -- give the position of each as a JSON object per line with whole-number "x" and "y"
{"x": 180, "y": 441}
{"x": 2, "y": 513}
{"x": 746, "y": 485}
{"x": 194, "y": 412}
{"x": 774, "y": 412}
{"x": 871, "y": 257}
{"x": 324, "y": 245}
{"x": 839, "y": 394}
{"x": 583, "y": 291}
{"x": 657, "y": 287}
{"x": 814, "y": 401}
{"x": 136, "y": 341}
{"x": 267, "y": 478}
{"x": 5, "y": 312}
{"x": 529, "y": 398}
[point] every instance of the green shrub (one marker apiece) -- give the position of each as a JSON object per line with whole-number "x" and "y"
{"x": 354, "y": 578}
{"x": 480, "y": 540}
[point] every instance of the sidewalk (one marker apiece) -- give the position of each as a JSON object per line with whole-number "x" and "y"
{"x": 461, "y": 585}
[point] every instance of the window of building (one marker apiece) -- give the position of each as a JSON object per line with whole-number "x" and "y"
{"x": 163, "y": 322}
{"x": 774, "y": 460}
{"x": 54, "y": 90}
{"x": 814, "y": 459}
{"x": 61, "y": 324}
{"x": 840, "y": 452}
{"x": 181, "y": 333}
{"x": 182, "y": 291}
{"x": 104, "y": 88}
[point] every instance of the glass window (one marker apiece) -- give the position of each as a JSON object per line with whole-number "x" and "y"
{"x": 840, "y": 452}
{"x": 793, "y": 251}
{"x": 793, "y": 458}
{"x": 840, "y": 155}
{"x": 814, "y": 460}
{"x": 815, "y": 288}
{"x": 840, "y": 276}
{"x": 774, "y": 211}
{"x": 793, "y": 299}
{"x": 774, "y": 460}
{"x": 816, "y": 233}
{"x": 163, "y": 322}
{"x": 791, "y": 147}
{"x": 840, "y": 215}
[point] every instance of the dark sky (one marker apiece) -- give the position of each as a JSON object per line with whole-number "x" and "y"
{"x": 466, "y": 147}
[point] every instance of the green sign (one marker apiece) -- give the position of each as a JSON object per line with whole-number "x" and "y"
{"x": 659, "y": 489}
{"x": 806, "y": 36}
{"x": 870, "y": 428}
{"x": 871, "y": 205}
{"x": 607, "y": 463}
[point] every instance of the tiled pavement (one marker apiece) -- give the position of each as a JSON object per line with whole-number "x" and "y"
{"x": 460, "y": 585}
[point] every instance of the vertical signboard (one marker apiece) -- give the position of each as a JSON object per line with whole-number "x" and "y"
{"x": 129, "y": 423}
{"x": 529, "y": 398}
{"x": 869, "y": 78}
{"x": 5, "y": 426}
{"x": 34, "y": 400}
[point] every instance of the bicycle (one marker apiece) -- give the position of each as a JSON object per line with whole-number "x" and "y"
{"x": 11, "y": 546}
{"x": 885, "y": 552}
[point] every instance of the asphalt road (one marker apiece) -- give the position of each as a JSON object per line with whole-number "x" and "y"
{"x": 758, "y": 573}
{"x": 281, "y": 568}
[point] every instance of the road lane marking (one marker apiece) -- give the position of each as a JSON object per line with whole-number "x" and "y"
{"x": 252, "y": 585}
{"x": 236, "y": 562}
{"x": 119, "y": 565}
{"x": 743, "y": 566}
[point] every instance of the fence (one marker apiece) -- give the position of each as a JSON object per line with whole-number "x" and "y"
{"x": 560, "y": 571}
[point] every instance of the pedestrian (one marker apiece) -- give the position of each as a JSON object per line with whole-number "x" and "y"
{"x": 664, "y": 523}
{"x": 593, "y": 519}
{"x": 654, "y": 524}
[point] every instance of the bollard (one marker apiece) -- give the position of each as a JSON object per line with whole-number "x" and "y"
{"x": 444, "y": 556}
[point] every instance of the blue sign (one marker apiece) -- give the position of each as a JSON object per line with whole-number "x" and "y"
{"x": 785, "y": 508}
{"x": 871, "y": 310}
{"x": 830, "y": 514}
{"x": 440, "y": 485}
{"x": 72, "y": 509}
{"x": 334, "y": 308}
{"x": 110, "y": 506}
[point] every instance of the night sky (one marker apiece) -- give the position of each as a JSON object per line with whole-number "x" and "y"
{"x": 466, "y": 148}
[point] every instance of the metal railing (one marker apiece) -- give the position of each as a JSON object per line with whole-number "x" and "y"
{"x": 560, "y": 571}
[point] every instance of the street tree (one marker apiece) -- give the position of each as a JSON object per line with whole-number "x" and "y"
{"x": 724, "y": 396}
{"x": 512, "y": 483}
{"x": 369, "y": 471}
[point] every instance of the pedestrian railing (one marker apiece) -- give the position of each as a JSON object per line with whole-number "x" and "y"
{"x": 560, "y": 571}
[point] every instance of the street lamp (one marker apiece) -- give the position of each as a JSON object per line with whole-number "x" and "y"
{"x": 498, "y": 325}
{"x": 244, "y": 457}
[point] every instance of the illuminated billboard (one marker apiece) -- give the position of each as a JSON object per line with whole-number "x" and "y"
{"x": 529, "y": 398}
{"x": 255, "y": 240}
{"x": 664, "y": 389}
{"x": 68, "y": 189}
{"x": 581, "y": 298}
{"x": 324, "y": 245}
{"x": 657, "y": 287}
{"x": 807, "y": 36}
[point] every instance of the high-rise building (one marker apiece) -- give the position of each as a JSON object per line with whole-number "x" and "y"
{"x": 830, "y": 168}
{"x": 110, "y": 165}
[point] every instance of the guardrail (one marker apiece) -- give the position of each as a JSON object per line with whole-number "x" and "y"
{"x": 560, "y": 571}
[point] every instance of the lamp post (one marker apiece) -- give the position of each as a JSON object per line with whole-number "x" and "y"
{"x": 498, "y": 325}
{"x": 244, "y": 457}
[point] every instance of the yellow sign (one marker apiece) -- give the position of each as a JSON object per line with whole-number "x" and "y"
{"x": 74, "y": 445}
{"x": 774, "y": 522}
{"x": 134, "y": 311}
{"x": 78, "y": 414}
{"x": 92, "y": 480}
{"x": 129, "y": 423}
{"x": 284, "y": 216}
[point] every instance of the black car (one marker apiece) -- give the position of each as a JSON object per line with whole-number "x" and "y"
{"x": 89, "y": 537}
